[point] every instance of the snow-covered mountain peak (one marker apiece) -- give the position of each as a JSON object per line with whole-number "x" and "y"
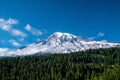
{"x": 57, "y": 34}
{"x": 59, "y": 42}
{"x": 60, "y": 38}
{"x": 60, "y": 34}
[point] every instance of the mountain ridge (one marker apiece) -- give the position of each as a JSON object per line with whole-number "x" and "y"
{"x": 59, "y": 42}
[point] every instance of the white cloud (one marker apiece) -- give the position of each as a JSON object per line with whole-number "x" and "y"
{"x": 6, "y": 25}
{"x": 14, "y": 43}
{"x": 28, "y": 27}
{"x": 1, "y": 20}
{"x": 3, "y": 49}
{"x": 11, "y": 21}
{"x": 16, "y": 32}
{"x": 34, "y": 31}
{"x": 91, "y": 38}
{"x": 100, "y": 34}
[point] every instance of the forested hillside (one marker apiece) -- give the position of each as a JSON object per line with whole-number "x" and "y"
{"x": 97, "y": 64}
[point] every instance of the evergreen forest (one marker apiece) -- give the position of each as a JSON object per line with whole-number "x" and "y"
{"x": 93, "y": 64}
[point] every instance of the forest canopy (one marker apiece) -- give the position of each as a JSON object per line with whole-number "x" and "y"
{"x": 93, "y": 64}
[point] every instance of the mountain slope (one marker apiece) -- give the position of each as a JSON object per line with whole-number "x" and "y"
{"x": 59, "y": 43}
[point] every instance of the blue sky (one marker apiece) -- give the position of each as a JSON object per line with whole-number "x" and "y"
{"x": 27, "y": 21}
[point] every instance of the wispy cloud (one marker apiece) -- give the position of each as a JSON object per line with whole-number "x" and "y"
{"x": 100, "y": 34}
{"x": 14, "y": 43}
{"x": 11, "y": 21}
{"x": 33, "y": 30}
{"x": 7, "y": 25}
{"x": 16, "y": 32}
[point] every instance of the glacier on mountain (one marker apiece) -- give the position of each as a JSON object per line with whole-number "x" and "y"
{"x": 59, "y": 42}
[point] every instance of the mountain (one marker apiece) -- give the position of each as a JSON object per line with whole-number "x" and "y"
{"x": 59, "y": 42}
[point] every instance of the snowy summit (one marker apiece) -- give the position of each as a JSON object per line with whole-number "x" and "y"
{"x": 59, "y": 42}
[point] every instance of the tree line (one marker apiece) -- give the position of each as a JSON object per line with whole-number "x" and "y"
{"x": 93, "y": 64}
